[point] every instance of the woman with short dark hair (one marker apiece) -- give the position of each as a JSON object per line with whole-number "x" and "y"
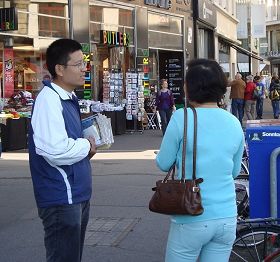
{"x": 164, "y": 104}
{"x": 220, "y": 143}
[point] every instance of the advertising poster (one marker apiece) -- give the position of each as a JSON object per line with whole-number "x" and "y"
{"x": 8, "y": 72}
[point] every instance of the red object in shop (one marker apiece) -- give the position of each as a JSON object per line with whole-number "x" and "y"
{"x": 8, "y": 72}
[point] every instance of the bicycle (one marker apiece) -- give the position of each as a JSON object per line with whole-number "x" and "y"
{"x": 257, "y": 240}
{"x": 241, "y": 183}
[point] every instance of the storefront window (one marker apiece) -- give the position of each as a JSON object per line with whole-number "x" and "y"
{"x": 52, "y": 26}
{"x": 165, "y": 32}
{"x": 224, "y": 57}
{"x": 110, "y": 18}
{"x": 205, "y": 43}
{"x": 96, "y": 13}
{"x": 164, "y": 41}
{"x": 276, "y": 41}
{"x": 126, "y": 17}
{"x": 110, "y": 58}
{"x": 165, "y": 23}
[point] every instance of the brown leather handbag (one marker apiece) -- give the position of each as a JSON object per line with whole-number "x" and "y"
{"x": 179, "y": 197}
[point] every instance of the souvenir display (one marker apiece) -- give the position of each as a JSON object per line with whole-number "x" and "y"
{"x": 134, "y": 95}
{"x": 113, "y": 86}
{"x": 106, "y": 86}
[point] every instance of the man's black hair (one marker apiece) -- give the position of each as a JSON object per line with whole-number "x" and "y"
{"x": 58, "y": 53}
{"x": 205, "y": 81}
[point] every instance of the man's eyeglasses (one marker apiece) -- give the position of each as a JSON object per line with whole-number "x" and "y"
{"x": 80, "y": 66}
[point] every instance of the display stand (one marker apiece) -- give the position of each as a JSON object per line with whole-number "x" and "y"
{"x": 135, "y": 100}
{"x": 113, "y": 86}
{"x": 113, "y": 94}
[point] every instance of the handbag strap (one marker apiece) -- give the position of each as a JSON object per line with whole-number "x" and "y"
{"x": 172, "y": 168}
{"x": 185, "y": 142}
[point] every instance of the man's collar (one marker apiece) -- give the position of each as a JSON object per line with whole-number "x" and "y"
{"x": 64, "y": 95}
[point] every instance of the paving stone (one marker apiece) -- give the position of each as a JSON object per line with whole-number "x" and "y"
{"x": 108, "y": 231}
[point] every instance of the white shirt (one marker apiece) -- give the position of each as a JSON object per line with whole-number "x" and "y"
{"x": 50, "y": 136}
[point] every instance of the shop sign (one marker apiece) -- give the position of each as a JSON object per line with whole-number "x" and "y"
{"x": 206, "y": 12}
{"x": 143, "y": 66}
{"x": 87, "y": 84}
{"x": 264, "y": 45}
{"x": 8, "y": 19}
{"x": 114, "y": 38}
{"x": 273, "y": 53}
{"x": 87, "y": 91}
{"x": 8, "y": 72}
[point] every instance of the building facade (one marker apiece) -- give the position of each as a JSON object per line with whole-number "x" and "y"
{"x": 226, "y": 40}
{"x": 270, "y": 45}
{"x": 215, "y": 33}
{"x": 117, "y": 36}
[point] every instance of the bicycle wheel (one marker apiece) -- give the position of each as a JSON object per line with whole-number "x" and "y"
{"x": 242, "y": 198}
{"x": 244, "y": 168}
{"x": 255, "y": 243}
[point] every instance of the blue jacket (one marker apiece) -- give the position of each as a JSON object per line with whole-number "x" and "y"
{"x": 56, "y": 184}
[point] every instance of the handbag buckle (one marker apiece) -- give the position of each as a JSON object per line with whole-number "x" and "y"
{"x": 195, "y": 189}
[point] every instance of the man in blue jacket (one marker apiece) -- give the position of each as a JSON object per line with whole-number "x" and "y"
{"x": 59, "y": 156}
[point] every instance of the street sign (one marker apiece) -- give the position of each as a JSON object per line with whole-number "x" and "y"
{"x": 263, "y": 44}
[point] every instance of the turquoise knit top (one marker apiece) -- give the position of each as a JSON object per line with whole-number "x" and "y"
{"x": 220, "y": 144}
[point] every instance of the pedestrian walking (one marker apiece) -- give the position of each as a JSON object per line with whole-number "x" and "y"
{"x": 59, "y": 155}
{"x": 209, "y": 236}
{"x": 274, "y": 95}
{"x": 165, "y": 104}
{"x": 260, "y": 88}
{"x": 237, "y": 97}
{"x": 250, "y": 102}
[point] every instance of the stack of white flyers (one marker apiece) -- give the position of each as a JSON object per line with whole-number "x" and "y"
{"x": 99, "y": 127}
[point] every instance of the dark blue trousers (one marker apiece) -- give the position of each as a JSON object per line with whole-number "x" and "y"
{"x": 65, "y": 228}
{"x": 165, "y": 115}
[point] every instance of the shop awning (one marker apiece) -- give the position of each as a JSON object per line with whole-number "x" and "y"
{"x": 242, "y": 50}
{"x": 246, "y": 52}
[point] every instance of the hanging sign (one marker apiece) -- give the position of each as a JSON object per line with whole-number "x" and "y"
{"x": 86, "y": 91}
{"x": 8, "y": 19}
{"x": 114, "y": 38}
{"x": 8, "y": 72}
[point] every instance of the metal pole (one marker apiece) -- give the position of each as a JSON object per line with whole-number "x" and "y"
{"x": 273, "y": 182}
{"x": 250, "y": 37}
{"x": 70, "y": 15}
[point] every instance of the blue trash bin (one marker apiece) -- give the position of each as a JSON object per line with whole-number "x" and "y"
{"x": 263, "y": 136}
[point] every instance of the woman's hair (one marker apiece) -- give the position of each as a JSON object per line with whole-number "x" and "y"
{"x": 58, "y": 53}
{"x": 205, "y": 81}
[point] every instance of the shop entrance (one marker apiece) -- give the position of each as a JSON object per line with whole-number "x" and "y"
{"x": 111, "y": 60}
